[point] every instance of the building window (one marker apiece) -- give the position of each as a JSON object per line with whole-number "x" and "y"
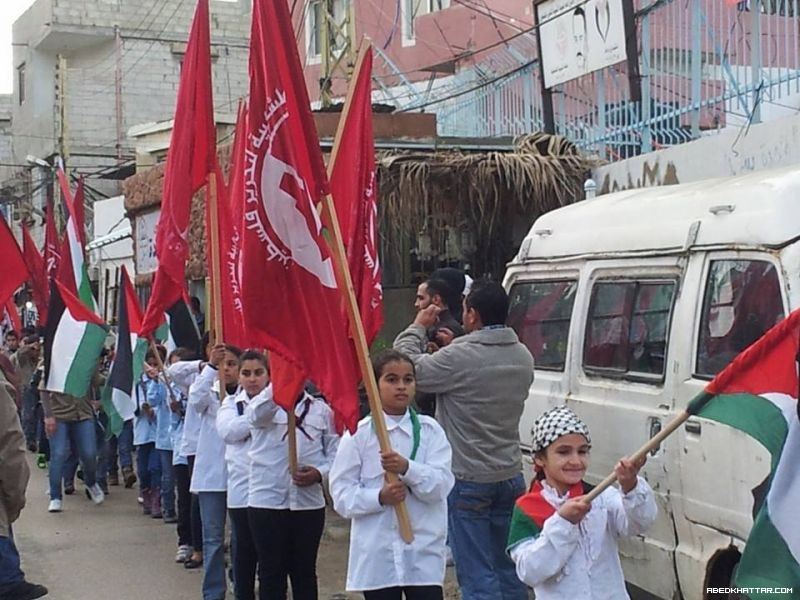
{"x": 413, "y": 9}
{"x": 315, "y": 28}
{"x": 21, "y": 83}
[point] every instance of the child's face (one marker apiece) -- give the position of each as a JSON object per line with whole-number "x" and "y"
{"x": 253, "y": 377}
{"x": 396, "y": 386}
{"x": 230, "y": 369}
{"x": 564, "y": 462}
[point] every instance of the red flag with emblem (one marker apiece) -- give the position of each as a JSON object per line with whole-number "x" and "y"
{"x": 52, "y": 245}
{"x": 292, "y": 304}
{"x": 33, "y": 258}
{"x": 190, "y": 159}
{"x": 354, "y": 188}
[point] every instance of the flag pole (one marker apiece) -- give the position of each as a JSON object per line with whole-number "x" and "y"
{"x": 162, "y": 369}
{"x": 641, "y": 453}
{"x": 216, "y": 269}
{"x": 356, "y": 326}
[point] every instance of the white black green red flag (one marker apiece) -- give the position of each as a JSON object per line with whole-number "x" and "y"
{"x": 757, "y": 393}
{"x": 129, "y": 353}
{"x": 73, "y": 339}
{"x": 72, "y": 272}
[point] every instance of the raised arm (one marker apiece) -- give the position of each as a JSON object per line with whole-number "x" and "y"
{"x": 231, "y": 426}
{"x": 434, "y": 371}
{"x": 262, "y": 410}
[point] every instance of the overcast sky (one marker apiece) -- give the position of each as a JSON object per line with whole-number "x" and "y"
{"x": 9, "y": 11}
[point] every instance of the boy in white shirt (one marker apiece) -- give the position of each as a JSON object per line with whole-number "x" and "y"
{"x": 381, "y": 564}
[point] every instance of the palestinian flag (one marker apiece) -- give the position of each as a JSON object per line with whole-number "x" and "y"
{"x": 118, "y": 397}
{"x": 73, "y": 340}
{"x": 72, "y": 270}
{"x": 532, "y": 510}
{"x": 757, "y": 394}
{"x": 179, "y": 329}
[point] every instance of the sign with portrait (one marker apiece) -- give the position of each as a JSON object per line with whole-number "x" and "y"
{"x": 145, "y": 241}
{"x": 579, "y": 37}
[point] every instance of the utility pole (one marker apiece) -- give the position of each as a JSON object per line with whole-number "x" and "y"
{"x": 61, "y": 104}
{"x": 118, "y": 87}
{"x": 338, "y": 45}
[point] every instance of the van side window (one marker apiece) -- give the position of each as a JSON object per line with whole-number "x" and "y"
{"x": 626, "y": 333}
{"x": 742, "y": 301}
{"x": 540, "y": 313}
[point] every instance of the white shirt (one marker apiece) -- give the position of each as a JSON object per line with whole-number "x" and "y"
{"x": 270, "y": 481}
{"x": 379, "y": 558}
{"x": 234, "y": 430}
{"x": 183, "y": 374}
{"x": 210, "y": 472}
{"x": 568, "y": 561}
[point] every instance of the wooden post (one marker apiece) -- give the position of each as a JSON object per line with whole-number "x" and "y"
{"x": 216, "y": 268}
{"x": 345, "y": 284}
{"x": 292, "y": 439}
{"x": 652, "y": 444}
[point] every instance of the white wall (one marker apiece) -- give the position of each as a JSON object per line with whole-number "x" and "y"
{"x": 109, "y": 216}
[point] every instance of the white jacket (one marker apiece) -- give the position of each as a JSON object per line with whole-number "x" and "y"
{"x": 379, "y": 558}
{"x": 568, "y": 561}
{"x": 234, "y": 430}
{"x": 210, "y": 473}
{"x": 270, "y": 480}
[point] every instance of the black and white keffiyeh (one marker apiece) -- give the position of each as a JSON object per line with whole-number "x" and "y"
{"x": 555, "y": 423}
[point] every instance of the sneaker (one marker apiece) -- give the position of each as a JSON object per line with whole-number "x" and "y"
{"x": 128, "y": 476}
{"x": 183, "y": 554}
{"x": 113, "y": 479}
{"x": 55, "y": 506}
{"x": 193, "y": 563}
{"x": 95, "y": 494}
{"x": 23, "y": 590}
{"x": 41, "y": 461}
{"x": 69, "y": 488}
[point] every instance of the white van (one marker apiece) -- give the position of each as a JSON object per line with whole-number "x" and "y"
{"x": 630, "y": 303}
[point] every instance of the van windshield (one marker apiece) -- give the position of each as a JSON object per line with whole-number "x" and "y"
{"x": 540, "y": 313}
{"x": 742, "y": 301}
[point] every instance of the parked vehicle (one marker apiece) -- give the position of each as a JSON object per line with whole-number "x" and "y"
{"x": 630, "y": 303}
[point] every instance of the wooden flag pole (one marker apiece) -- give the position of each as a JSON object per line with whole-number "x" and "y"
{"x": 216, "y": 275}
{"x": 641, "y": 453}
{"x": 345, "y": 283}
{"x": 292, "y": 439}
{"x": 162, "y": 369}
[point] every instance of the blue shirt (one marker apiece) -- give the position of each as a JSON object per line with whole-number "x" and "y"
{"x": 176, "y": 431}
{"x": 144, "y": 428}
{"x": 158, "y": 397}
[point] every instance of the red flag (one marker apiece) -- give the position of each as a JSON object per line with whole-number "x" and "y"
{"x": 165, "y": 293}
{"x": 354, "y": 188}
{"x": 192, "y": 147}
{"x": 13, "y": 315}
{"x": 52, "y": 245}
{"x": 292, "y": 304}
{"x": 13, "y": 272}
{"x": 35, "y": 262}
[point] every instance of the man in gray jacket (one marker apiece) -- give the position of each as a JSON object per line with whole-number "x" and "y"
{"x": 481, "y": 381}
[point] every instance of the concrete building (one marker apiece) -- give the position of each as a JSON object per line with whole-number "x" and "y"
{"x": 85, "y": 72}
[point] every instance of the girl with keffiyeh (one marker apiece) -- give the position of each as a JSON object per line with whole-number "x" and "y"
{"x": 564, "y": 547}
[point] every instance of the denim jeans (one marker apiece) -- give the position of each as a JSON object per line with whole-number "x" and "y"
{"x": 213, "y": 510}
{"x": 479, "y": 516}
{"x": 125, "y": 445}
{"x": 81, "y": 435}
{"x": 167, "y": 482}
{"x": 10, "y": 571}
{"x": 148, "y": 466}
{"x": 30, "y": 400}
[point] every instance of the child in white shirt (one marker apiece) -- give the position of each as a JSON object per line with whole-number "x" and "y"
{"x": 564, "y": 547}
{"x": 381, "y": 564}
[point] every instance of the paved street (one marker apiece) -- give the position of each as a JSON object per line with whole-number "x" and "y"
{"x": 112, "y": 551}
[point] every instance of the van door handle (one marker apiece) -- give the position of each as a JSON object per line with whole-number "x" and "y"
{"x": 693, "y": 427}
{"x": 655, "y": 428}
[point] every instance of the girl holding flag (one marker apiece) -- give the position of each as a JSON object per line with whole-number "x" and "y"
{"x": 381, "y": 564}
{"x": 564, "y": 547}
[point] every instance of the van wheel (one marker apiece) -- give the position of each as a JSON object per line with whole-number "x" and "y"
{"x": 722, "y": 573}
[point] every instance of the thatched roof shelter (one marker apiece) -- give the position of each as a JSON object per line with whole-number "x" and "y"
{"x": 481, "y": 203}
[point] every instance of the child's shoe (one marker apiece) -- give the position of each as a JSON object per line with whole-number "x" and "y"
{"x": 155, "y": 503}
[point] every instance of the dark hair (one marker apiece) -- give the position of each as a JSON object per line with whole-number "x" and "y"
{"x": 161, "y": 350}
{"x": 250, "y": 354}
{"x": 204, "y": 342}
{"x": 12, "y": 332}
{"x": 182, "y": 353}
{"x": 489, "y": 300}
{"x": 384, "y": 357}
{"x": 30, "y": 339}
{"x": 454, "y": 277}
{"x": 28, "y": 331}
{"x": 195, "y": 302}
{"x": 439, "y": 287}
{"x": 235, "y": 350}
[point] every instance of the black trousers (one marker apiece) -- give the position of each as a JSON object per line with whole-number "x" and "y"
{"x": 243, "y": 555}
{"x": 182, "y": 480}
{"x": 194, "y": 515}
{"x": 411, "y": 592}
{"x": 287, "y": 543}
